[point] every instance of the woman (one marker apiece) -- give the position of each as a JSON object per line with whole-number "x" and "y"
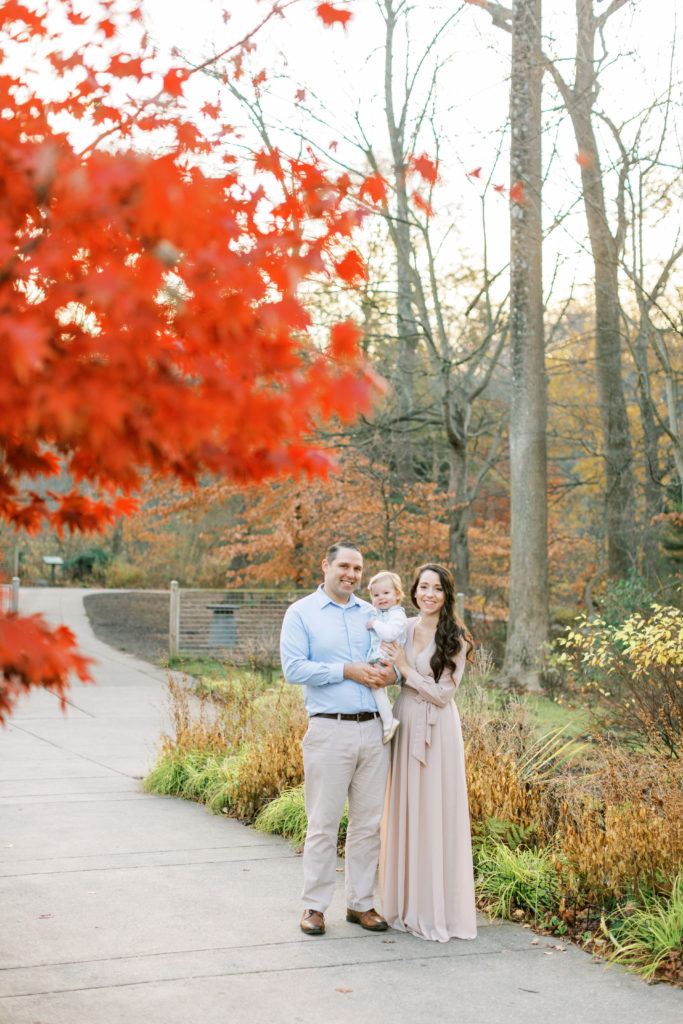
{"x": 426, "y": 877}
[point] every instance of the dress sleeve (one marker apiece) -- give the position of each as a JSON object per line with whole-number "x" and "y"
{"x": 442, "y": 692}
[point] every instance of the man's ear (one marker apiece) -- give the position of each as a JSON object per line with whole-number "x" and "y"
{"x": 325, "y": 565}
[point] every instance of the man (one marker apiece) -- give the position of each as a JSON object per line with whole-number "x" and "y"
{"x": 323, "y": 647}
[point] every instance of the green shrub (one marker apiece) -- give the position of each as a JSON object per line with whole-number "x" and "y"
{"x": 651, "y": 936}
{"x": 169, "y": 775}
{"x": 89, "y": 564}
{"x": 625, "y": 596}
{"x": 195, "y": 775}
{"x": 510, "y": 833}
{"x": 286, "y": 816}
{"x": 520, "y": 879}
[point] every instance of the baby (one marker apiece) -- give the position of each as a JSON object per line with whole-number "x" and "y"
{"x": 388, "y": 623}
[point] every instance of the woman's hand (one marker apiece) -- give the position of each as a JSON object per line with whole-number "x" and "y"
{"x": 397, "y": 656}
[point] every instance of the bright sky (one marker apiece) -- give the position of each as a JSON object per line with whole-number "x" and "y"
{"x": 343, "y": 75}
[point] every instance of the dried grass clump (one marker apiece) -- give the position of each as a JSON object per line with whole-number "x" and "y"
{"x": 620, "y": 828}
{"x": 273, "y": 764}
{"x": 234, "y": 753}
{"x": 497, "y": 790}
{"x": 197, "y": 724}
{"x": 497, "y": 740}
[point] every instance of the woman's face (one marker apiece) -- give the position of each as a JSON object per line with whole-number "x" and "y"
{"x": 429, "y": 595}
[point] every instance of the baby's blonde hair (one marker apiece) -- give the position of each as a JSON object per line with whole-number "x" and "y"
{"x": 395, "y": 579}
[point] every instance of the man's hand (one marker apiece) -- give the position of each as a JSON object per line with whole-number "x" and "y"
{"x": 374, "y": 676}
{"x": 388, "y": 671}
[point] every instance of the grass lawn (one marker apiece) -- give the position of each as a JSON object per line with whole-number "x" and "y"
{"x": 547, "y": 715}
{"x": 213, "y": 675}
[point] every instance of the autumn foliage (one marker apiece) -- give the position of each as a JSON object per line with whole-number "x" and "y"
{"x": 149, "y": 309}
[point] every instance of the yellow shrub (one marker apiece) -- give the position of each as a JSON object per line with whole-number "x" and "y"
{"x": 635, "y": 671}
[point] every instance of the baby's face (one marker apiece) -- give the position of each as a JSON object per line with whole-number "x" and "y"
{"x": 383, "y": 595}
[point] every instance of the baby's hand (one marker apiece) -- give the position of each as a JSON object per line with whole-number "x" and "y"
{"x": 369, "y": 624}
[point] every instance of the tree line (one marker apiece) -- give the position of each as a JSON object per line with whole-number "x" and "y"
{"x": 528, "y": 426}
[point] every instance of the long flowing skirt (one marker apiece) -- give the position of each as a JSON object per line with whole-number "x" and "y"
{"x": 426, "y": 876}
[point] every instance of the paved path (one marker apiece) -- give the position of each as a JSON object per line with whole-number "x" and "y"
{"x": 117, "y": 907}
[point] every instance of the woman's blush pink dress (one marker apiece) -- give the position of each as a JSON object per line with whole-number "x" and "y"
{"x": 426, "y": 877}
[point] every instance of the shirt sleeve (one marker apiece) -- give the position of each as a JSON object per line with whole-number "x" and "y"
{"x": 297, "y": 666}
{"x": 392, "y": 626}
{"x": 444, "y": 691}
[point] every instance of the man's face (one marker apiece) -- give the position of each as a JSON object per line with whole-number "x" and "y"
{"x": 343, "y": 574}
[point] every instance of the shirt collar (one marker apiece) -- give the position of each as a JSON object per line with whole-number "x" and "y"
{"x": 324, "y": 599}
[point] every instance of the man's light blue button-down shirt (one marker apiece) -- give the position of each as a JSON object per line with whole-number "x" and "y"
{"x": 318, "y": 638}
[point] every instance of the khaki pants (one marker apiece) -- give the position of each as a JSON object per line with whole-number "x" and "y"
{"x": 343, "y": 760}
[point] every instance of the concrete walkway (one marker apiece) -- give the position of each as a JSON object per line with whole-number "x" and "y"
{"x": 117, "y": 907}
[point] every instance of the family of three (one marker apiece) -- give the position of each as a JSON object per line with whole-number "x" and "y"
{"x": 415, "y": 787}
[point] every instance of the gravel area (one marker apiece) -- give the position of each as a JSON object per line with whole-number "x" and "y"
{"x": 131, "y": 621}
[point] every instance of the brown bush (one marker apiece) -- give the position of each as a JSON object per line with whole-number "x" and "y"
{"x": 614, "y": 823}
{"x": 620, "y": 828}
{"x": 274, "y": 764}
{"x": 496, "y": 740}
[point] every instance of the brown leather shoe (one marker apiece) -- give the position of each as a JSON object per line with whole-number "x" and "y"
{"x": 313, "y": 922}
{"x": 369, "y": 919}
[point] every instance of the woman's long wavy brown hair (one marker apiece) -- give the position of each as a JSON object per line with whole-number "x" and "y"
{"x": 451, "y": 633}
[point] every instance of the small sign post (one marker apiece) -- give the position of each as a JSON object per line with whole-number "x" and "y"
{"x": 53, "y": 561}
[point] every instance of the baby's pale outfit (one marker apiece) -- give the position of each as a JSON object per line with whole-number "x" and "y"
{"x": 389, "y": 626}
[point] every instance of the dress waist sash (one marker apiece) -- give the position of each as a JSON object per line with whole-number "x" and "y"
{"x": 422, "y": 731}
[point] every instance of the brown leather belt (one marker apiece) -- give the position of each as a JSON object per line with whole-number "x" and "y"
{"x": 360, "y": 716}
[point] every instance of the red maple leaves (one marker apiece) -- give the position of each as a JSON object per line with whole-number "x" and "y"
{"x": 34, "y": 654}
{"x": 425, "y": 167}
{"x": 333, "y": 15}
{"x": 150, "y": 317}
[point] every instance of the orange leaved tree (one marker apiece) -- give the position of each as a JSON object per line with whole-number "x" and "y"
{"x": 149, "y": 310}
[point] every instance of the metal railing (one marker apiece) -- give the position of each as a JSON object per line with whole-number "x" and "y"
{"x": 242, "y": 625}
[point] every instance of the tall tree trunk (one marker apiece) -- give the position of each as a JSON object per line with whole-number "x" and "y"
{"x": 528, "y": 624}
{"x": 407, "y": 329}
{"x": 458, "y": 516}
{"x": 654, "y": 491}
{"x": 616, "y": 434}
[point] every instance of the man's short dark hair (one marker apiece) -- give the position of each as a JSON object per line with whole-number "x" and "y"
{"x": 336, "y": 548}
